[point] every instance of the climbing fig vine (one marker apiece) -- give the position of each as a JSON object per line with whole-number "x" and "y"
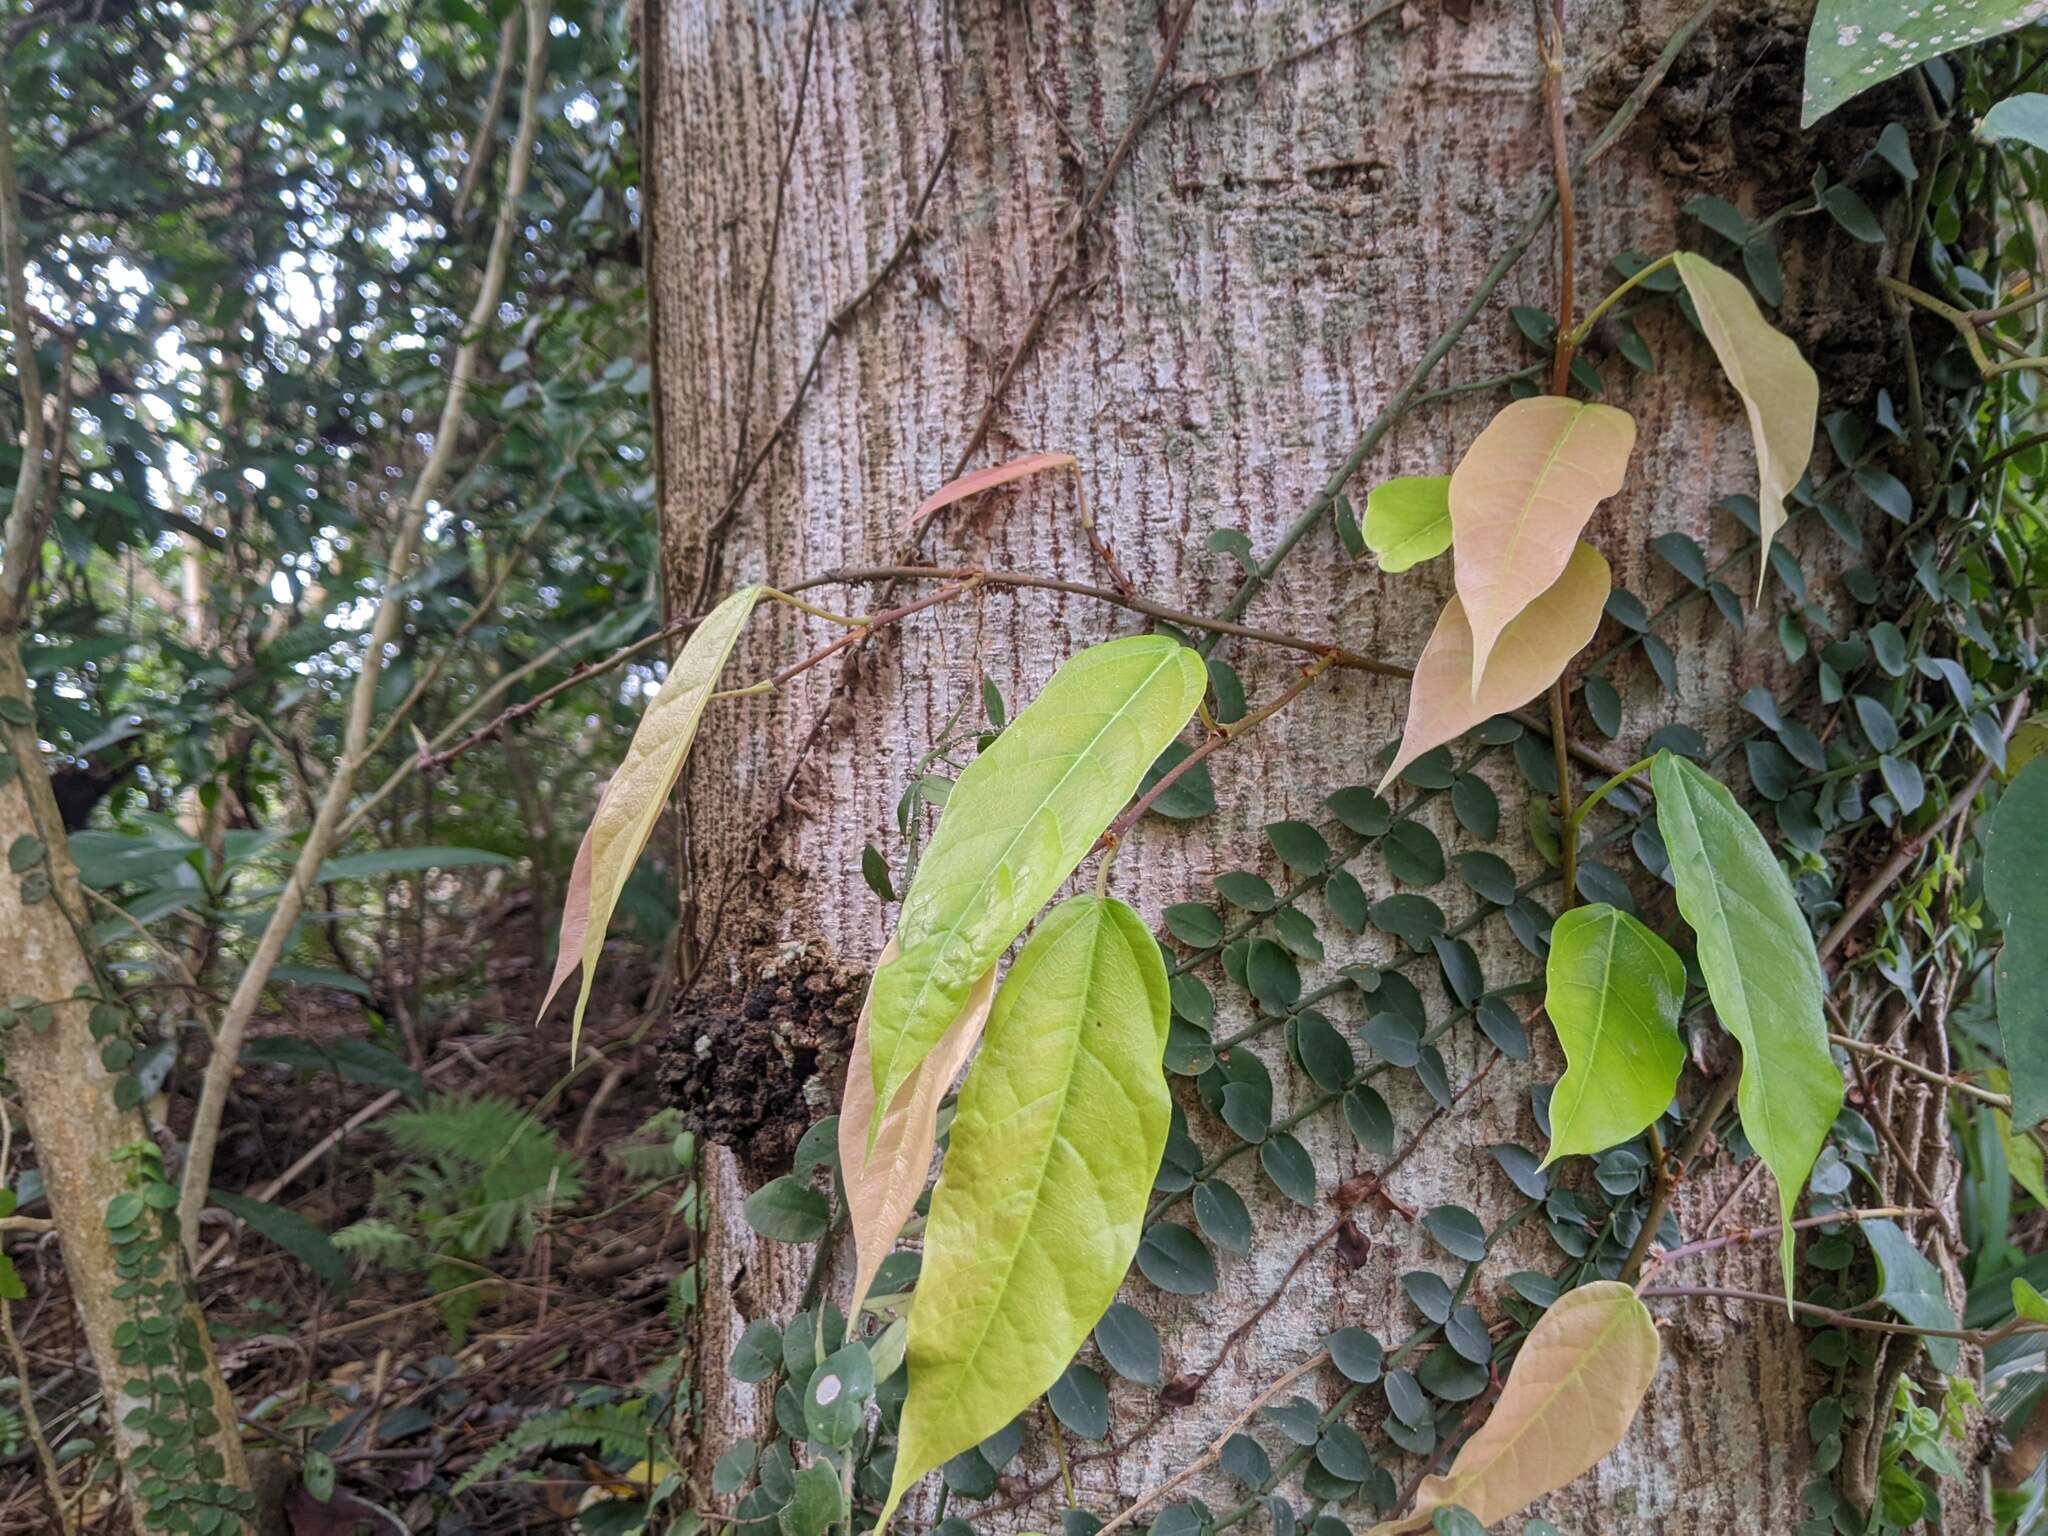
{"x": 1095, "y": 1102}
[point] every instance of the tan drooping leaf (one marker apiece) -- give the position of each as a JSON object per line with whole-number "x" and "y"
{"x": 633, "y": 800}
{"x": 1573, "y": 1392}
{"x": 575, "y": 912}
{"x": 988, "y": 479}
{"x": 1529, "y": 656}
{"x": 1779, "y": 389}
{"x": 1520, "y": 498}
{"x": 882, "y": 1184}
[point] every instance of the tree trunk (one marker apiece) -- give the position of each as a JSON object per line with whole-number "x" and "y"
{"x": 93, "y": 1153}
{"x": 1276, "y": 251}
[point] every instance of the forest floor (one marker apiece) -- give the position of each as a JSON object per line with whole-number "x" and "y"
{"x": 373, "y": 1373}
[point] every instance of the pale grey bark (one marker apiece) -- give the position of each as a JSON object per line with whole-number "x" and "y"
{"x": 1276, "y": 255}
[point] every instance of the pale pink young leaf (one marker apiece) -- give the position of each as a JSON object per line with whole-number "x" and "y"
{"x": 1520, "y": 497}
{"x": 634, "y": 799}
{"x": 1532, "y": 652}
{"x": 575, "y": 912}
{"x": 988, "y": 479}
{"x": 1573, "y": 1392}
{"x": 882, "y": 1182}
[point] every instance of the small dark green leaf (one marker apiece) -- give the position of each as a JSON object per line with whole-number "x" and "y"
{"x": 787, "y": 1210}
{"x": 1130, "y": 1344}
{"x": 1459, "y": 1232}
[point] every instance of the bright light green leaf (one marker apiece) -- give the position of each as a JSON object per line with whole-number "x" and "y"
{"x": 2023, "y": 117}
{"x": 1061, "y": 1125}
{"x": 1021, "y": 817}
{"x": 1911, "y": 1286}
{"x": 633, "y": 801}
{"x": 1779, "y": 389}
{"x": 1614, "y": 990}
{"x": 2015, "y": 848}
{"x": 2023, "y": 1159}
{"x": 2028, "y": 1302}
{"x": 1856, "y": 44}
{"x": 1762, "y": 973}
{"x": 1408, "y": 520}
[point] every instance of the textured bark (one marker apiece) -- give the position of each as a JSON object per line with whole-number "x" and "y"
{"x": 1274, "y": 257}
{"x": 67, "y": 1096}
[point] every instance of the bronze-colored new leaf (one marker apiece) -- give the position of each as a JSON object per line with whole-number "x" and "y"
{"x": 1531, "y": 653}
{"x": 988, "y": 479}
{"x": 1520, "y": 498}
{"x": 882, "y": 1183}
{"x": 1780, "y": 392}
{"x": 1573, "y": 1392}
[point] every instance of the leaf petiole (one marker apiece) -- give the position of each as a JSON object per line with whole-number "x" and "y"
{"x": 1578, "y": 817}
{"x": 1576, "y": 337}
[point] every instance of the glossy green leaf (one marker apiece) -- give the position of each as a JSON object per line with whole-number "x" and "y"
{"x": 1408, "y": 520}
{"x": 632, "y": 802}
{"x": 1614, "y": 990}
{"x": 1856, "y": 44}
{"x": 1911, "y": 1286}
{"x": 2028, "y": 1302}
{"x": 1061, "y": 1125}
{"x": 2015, "y": 853}
{"x": 1762, "y": 973}
{"x": 2023, "y": 117}
{"x": 1020, "y": 818}
{"x": 291, "y": 1232}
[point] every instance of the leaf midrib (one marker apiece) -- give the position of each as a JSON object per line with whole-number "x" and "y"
{"x": 1101, "y": 917}
{"x": 916, "y": 1005}
{"x": 1578, "y": 1368}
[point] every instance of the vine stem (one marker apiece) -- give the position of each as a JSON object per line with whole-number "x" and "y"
{"x": 1221, "y": 736}
{"x": 1214, "y": 1450}
{"x": 1550, "y": 45}
{"x": 1970, "y": 1090}
{"x": 1672, "y": 1173}
{"x": 1338, "y": 655}
{"x": 1760, "y": 1234}
{"x": 1966, "y": 322}
{"x": 1634, "y": 280}
{"x": 1911, "y": 849}
{"x": 1567, "y": 816}
{"x": 1839, "y": 1319}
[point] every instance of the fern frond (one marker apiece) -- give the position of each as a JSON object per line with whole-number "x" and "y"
{"x": 616, "y": 1429}
{"x": 381, "y": 1240}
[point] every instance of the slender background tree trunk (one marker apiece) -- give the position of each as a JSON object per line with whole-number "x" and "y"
{"x": 1276, "y": 252}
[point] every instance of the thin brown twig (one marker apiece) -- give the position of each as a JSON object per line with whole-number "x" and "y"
{"x": 1216, "y": 81}
{"x": 1214, "y": 1449}
{"x": 1221, "y": 736}
{"x": 835, "y": 327}
{"x": 1954, "y": 1084}
{"x": 1071, "y": 237}
{"x": 1774, "y": 1232}
{"x": 796, "y": 125}
{"x": 1911, "y": 848}
{"x": 1839, "y": 1319}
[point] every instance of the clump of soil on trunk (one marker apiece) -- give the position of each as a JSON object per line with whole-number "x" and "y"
{"x": 752, "y": 1070}
{"x": 1726, "y": 123}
